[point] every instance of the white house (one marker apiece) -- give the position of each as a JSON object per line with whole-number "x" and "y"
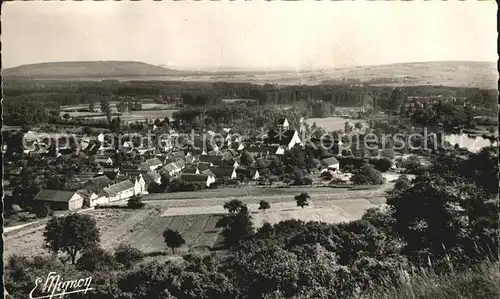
{"x": 292, "y": 139}
{"x": 140, "y": 185}
{"x": 330, "y": 164}
{"x": 119, "y": 191}
{"x": 255, "y": 174}
{"x": 91, "y": 199}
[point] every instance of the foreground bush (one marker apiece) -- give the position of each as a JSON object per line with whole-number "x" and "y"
{"x": 479, "y": 282}
{"x": 127, "y": 255}
{"x": 135, "y": 202}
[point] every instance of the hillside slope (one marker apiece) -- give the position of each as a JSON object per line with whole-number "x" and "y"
{"x": 89, "y": 69}
{"x": 446, "y": 73}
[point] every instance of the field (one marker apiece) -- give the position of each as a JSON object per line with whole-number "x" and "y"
{"x": 132, "y": 116}
{"x": 333, "y": 123}
{"x": 194, "y": 215}
{"x": 150, "y": 110}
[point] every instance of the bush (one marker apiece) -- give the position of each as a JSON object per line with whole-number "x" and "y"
{"x": 127, "y": 255}
{"x": 96, "y": 259}
{"x": 326, "y": 175}
{"x": 412, "y": 165}
{"x": 478, "y": 282}
{"x": 42, "y": 210}
{"x": 367, "y": 175}
{"x": 382, "y": 164}
{"x": 135, "y": 202}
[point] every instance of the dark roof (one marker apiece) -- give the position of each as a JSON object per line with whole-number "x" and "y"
{"x": 100, "y": 181}
{"x": 190, "y": 170}
{"x": 210, "y": 159}
{"x": 221, "y": 172}
{"x": 284, "y": 138}
{"x": 54, "y": 195}
{"x": 110, "y": 173}
{"x": 208, "y": 172}
{"x": 191, "y": 177}
{"x": 203, "y": 166}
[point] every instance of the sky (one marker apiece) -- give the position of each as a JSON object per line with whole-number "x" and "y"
{"x": 249, "y": 35}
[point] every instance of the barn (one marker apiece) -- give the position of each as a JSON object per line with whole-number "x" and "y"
{"x": 60, "y": 200}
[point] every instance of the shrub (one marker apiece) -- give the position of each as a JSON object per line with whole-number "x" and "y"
{"x": 127, "y": 255}
{"x": 42, "y": 210}
{"x": 135, "y": 202}
{"x": 381, "y": 164}
{"x": 326, "y": 175}
{"x": 367, "y": 175}
{"x": 96, "y": 258}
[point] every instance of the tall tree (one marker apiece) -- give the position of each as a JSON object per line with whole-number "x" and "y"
{"x": 302, "y": 199}
{"x": 173, "y": 239}
{"x": 106, "y": 108}
{"x": 71, "y": 234}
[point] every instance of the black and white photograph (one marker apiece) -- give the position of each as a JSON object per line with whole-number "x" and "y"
{"x": 250, "y": 149}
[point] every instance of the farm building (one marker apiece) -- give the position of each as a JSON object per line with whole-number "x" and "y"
{"x": 118, "y": 191}
{"x": 330, "y": 163}
{"x": 191, "y": 170}
{"x": 224, "y": 172}
{"x": 97, "y": 184}
{"x": 90, "y": 199}
{"x": 213, "y": 159}
{"x": 60, "y": 200}
{"x": 205, "y": 179}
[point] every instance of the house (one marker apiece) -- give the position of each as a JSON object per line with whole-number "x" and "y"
{"x": 90, "y": 199}
{"x": 104, "y": 160}
{"x": 173, "y": 168}
{"x": 275, "y": 150}
{"x": 151, "y": 177}
{"x": 214, "y": 159}
{"x": 283, "y": 124}
{"x": 204, "y": 166}
{"x": 191, "y": 170}
{"x": 97, "y": 184}
{"x": 229, "y": 163}
{"x": 60, "y": 200}
{"x": 140, "y": 185}
{"x": 118, "y": 191}
{"x": 330, "y": 163}
{"x": 111, "y": 173}
{"x": 254, "y": 174}
{"x": 151, "y": 164}
{"x": 205, "y": 179}
{"x": 224, "y": 172}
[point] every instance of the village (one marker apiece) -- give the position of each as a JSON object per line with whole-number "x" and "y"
{"x": 197, "y": 165}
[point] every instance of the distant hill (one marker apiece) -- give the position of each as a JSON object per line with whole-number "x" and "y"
{"x": 78, "y": 69}
{"x": 446, "y": 73}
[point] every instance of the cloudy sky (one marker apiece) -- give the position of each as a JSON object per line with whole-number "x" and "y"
{"x": 301, "y": 35}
